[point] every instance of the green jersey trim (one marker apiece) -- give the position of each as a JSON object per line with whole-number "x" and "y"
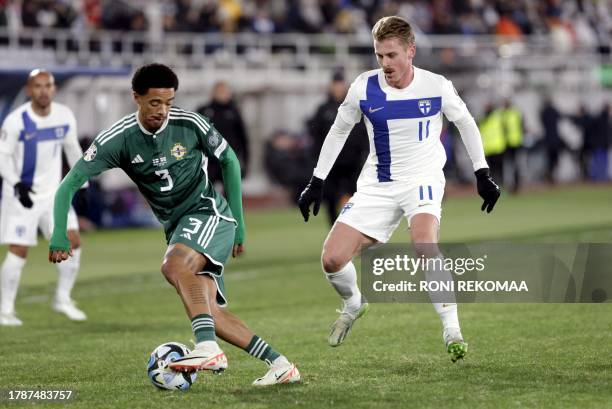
{"x": 204, "y": 127}
{"x": 119, "y": 127}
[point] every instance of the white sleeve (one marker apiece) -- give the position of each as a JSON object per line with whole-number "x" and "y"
{"x": 9, "y": 135}
{"x": 470, "y": 135}
{"x": 350, "y": 111}
{"x": 453, "y": 106}
{"x": 456, "y": 111}
{"x": 333, "y": 144}
{"x": 7, "y": 169}
{"x": 71, "y": 143}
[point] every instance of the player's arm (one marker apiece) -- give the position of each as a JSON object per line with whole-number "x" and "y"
{"x": 59, "y": 245}
{"x": 98, "y": 158}
{"x": 213, "y": 144}
{"x": 456, "y": 111}
{"x": 9, "y": 135}
{"x": 348, "y": 115}
{"x": 230, "y": 168}
{"x": 332, "y": 146}
{"x": 71, "y": 145}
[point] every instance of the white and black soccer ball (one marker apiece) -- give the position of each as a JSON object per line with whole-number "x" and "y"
{"x": 163, "y": 377}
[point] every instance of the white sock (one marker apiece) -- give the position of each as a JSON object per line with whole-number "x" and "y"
{"x": 68, "y": 271}
{"x": 9, "y": 283}
{"x": 447, "y": 309}
{"x": 344, "y": 282}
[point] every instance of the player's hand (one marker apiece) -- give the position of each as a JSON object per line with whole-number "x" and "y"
{"x": 313, "y": 193}
{"x": 23, "y": 194}
{"x": 487, "y": 189}
{"x": 57, "y": 256}
{"x": 237, "y": 249}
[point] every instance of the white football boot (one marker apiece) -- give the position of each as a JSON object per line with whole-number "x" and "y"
{"x": 342, "y": 326}
{"x": 206, "y": 356}
{"x": 10, "y": 320}
{"x": 69, "y": 309}
{"x": 281, "y": 371}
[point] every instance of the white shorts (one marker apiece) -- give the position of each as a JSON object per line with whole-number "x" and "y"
{"x": 377, "y": 210}
{"x": 19, "y": 225}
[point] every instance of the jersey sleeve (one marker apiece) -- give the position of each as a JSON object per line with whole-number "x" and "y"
{"x": 100, "y": 156}
{"x": 71, "y": 142}
{"x": 453, "y": 106}
{"x": 349, "y": 110}
{"x": 9, "y": 134}
{"x": 211, "y": 141}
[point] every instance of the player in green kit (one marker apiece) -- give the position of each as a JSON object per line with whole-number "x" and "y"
{"x": 165, "y": 150}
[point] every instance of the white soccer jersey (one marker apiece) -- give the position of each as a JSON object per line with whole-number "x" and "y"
{"x": 35, "y": 145}
{"x": 403, "y": 125}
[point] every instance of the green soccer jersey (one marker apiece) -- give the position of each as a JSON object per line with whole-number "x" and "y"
{"x": 168, "y": 166}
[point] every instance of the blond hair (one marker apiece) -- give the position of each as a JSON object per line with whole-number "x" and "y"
{"x": 393, "y": 26}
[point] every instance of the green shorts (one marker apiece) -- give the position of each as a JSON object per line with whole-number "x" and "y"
{"x": 210, "y": 235}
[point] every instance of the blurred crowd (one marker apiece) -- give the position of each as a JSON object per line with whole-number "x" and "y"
{"x": 583, "y": 21}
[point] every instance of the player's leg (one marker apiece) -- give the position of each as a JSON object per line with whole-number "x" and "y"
{"x": 341, "y": 245}
{"x": 233, "y": 330}
{"x": 69, "y": 269}
{"x": 180, "y": 267}
{"x": 370, "y": 216}
{"x": 9, "y": 283}
{"x": 18, "y": 229}
{"x": 424, "y": 229}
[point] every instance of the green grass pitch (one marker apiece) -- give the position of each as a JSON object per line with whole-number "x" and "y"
{"x": 521, "y": 356}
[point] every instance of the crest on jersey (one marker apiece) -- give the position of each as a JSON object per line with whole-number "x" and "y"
{"x": 425, "y": 106}
{"x": 90, "y": 153}
{"x": 59, "y": 132}
{"x": 178, "y": 151}
{"x": 214, "y": 138}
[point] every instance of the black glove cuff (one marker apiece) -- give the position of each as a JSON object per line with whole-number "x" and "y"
{"x": 315, "y": 182}
{"x": 482, "y": 173}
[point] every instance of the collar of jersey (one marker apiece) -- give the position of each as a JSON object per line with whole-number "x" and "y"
{"x": 160, "y": 130}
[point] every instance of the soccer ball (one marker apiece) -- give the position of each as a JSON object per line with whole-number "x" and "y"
{"x": 163, "y": 377}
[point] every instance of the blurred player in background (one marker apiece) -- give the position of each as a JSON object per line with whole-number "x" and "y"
{"x": 341, "y": 182}
{"x": 402, "y": 176}
{"x": 32, "y": 139}
{"x": 164, "y": 150}
{"x": 224, "y": 113}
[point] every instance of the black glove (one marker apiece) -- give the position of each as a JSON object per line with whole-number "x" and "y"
{"x": 23, "y": 194}
{"x": 313, "y": 193}
{"x": 487, "y": 189}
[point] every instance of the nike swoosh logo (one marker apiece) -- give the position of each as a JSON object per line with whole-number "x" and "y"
{"x": 282, "y": 374}
{"x": 371, "y": 111}
{"x": 29, "y": 135}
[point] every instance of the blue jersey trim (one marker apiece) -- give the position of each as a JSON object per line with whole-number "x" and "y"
{"x": 379, "y": 111}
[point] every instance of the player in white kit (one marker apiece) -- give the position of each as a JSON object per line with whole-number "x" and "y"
{"x": 32, "y": 139}
{"x": 402, "y": 176}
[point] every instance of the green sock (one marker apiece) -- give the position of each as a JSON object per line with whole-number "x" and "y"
{"x": 260, "y": 349}
{"x": 203, "y": 326}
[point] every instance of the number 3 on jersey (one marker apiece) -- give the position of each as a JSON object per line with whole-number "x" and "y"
{"x": 164, "y": 174}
